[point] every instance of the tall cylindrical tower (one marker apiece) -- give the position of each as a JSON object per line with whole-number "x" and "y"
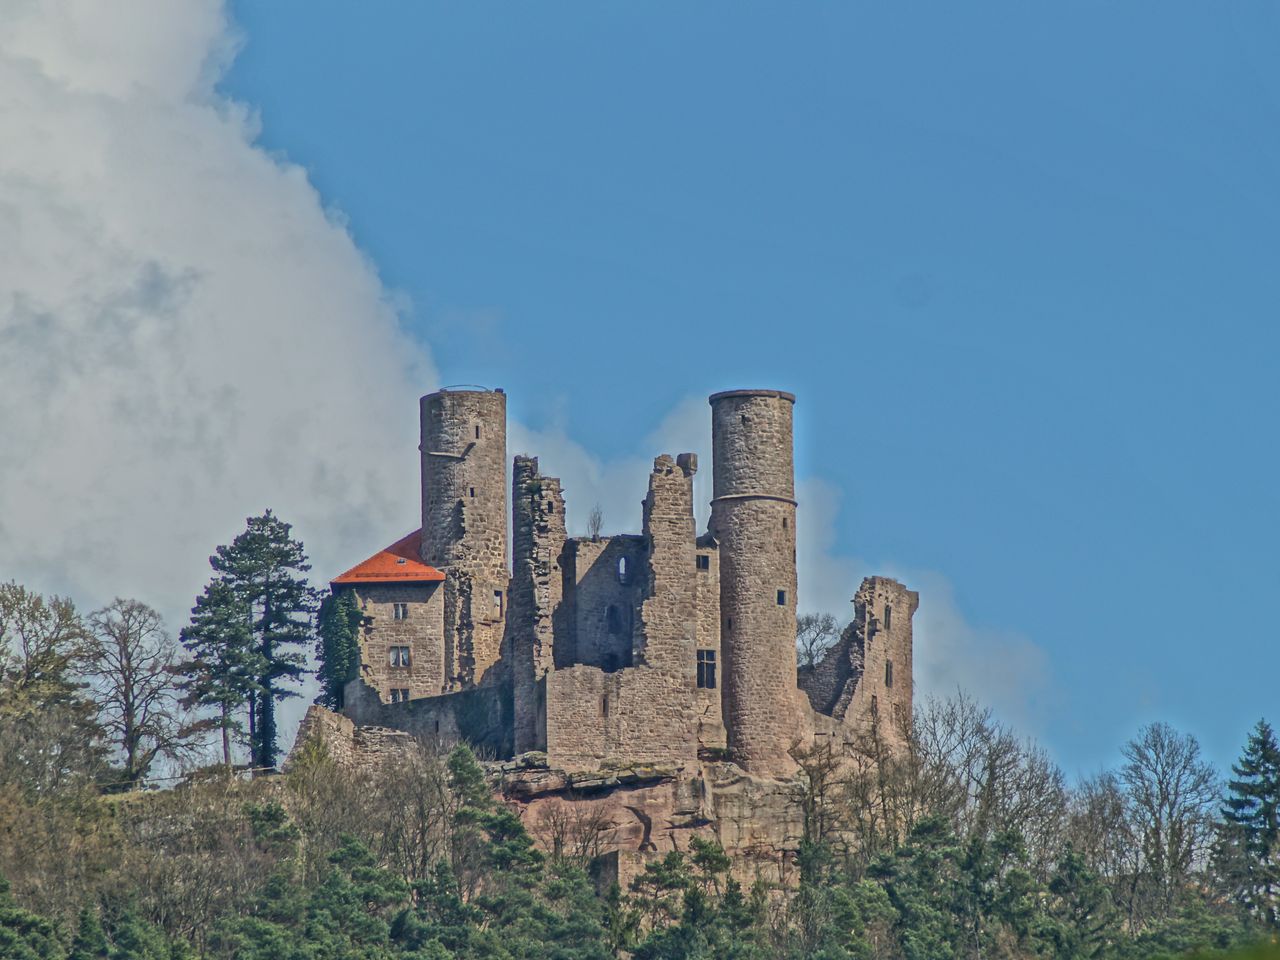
{"x": 753, "y": 516}
{"x": 464, "y": 522}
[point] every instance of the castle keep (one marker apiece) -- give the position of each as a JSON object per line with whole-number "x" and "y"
{"x": 671, "y": 648}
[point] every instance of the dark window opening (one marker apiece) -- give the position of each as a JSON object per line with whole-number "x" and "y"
{"x": 888, "y": 673}
{"x": 875, "y": 706}
{"x": 400, "y": 611}
{"x": 497, "y": 602}
{"x": 782, "y": 598}
{"x": 704, "y": 562}
{"x": 604, "y": 705}
{"x": 784, "y": 523}
{"x": 888, "y": 616}
{"x": 610, "y": 663}
{"x": 477, "y": 431}
{"x": 612, "y": 620}
{"x": 473, "y": 492}
{"x": 399, "y": 695}
{"x": 706, "y": 669}
{"x": 729, "y": 624}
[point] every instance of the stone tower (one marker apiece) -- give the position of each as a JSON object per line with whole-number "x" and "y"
{"x": 753, "y": 517}
{"x": 464, "y": 523}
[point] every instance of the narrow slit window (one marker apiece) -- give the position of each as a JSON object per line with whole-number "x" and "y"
{"x": 784, "y": 523}
{"x": 477, "y": 431}
{"x": 703, "y": 562}
{"x": 888, "y": 673}
{"x": 473, "y": 493}
{"x": 497, "y": 602}
{"x": 706, "y": 669}
{"x": 782, "y": 598}
{"x": 622, "y": 570}
{"x": 604, "y": 706}
{"x": 875, "y": 706}
{"x": 888, "y": 616}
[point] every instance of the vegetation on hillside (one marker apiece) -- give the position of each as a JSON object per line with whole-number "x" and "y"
{"x": 969, "y": 845}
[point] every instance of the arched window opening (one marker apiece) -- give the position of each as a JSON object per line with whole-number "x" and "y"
{"x": 622, "y": 570}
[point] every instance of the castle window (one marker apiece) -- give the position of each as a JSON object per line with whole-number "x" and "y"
{"x": 622, "y": 570}
{"x": 473, "y": 492}
{"x": 400, "y": 611}
{"x": 875, "y": 707}
{"x": 782, "y": 598}
{"x": 729, "y": 625}
{"x": 399, "y": 695}
{"x": 784, "y": 523}
{"x": 604, "y": 705}
{"x": 399, "y": 656}
{"x": 888, "y": 673}
{"x": 477, "y": 431}
{"x": 703, "y": 562}
{"x": 612, "y": 620}
{"x": 888, "y": 615}
{"x": 706, "y": 669}
{"x": 497, "y": 602}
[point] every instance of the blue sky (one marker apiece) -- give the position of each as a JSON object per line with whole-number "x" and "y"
{"x": 1019, "y": 263}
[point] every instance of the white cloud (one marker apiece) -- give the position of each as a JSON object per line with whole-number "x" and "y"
{"x": 187, "y": 336}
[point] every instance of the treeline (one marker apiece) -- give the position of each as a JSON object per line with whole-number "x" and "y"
{"x": 969, "y": 844}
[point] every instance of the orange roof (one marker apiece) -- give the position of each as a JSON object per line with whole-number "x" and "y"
{"x": 399, "y": 563}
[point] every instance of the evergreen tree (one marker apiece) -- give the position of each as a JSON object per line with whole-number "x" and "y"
{"x": 1252, "y": 826}
{"x": 223, "y": 669}
{"x": 267, "y": 569}
{"x": 338, "y": 646}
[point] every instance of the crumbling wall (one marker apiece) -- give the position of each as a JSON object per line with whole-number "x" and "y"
{"x": 421, "y": 629}
{"x": 867, "y": 677}
{"x": 345, "y": 743}
{"x": 537, "y": 583}
{"x": 642, "y": 713}
{"x": 482, "y": 716}
{"x": 603, "y": 603}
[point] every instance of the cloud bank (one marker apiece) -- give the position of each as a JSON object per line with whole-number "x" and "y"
{"x": 187, "y": 336}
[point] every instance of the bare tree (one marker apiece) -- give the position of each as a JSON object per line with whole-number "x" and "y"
{"x": 816, "y": 633}
{"x": 1172, "y": 794}
{"x": 130, "y": 661}
{"x": 595, "y": 521}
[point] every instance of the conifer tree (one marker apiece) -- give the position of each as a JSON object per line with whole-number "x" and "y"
{"x": 266, "y": 567}
{"x": 223, "y": 668}
{"x": 1252, "y": 824}
{"x": 338, "y": 646}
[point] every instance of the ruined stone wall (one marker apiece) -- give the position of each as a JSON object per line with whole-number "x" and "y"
{"x": 643, "y": 713}
{"x": 753, "y": 513}
{"x": 537, "y": 584}
{"x": 464, "y": 523}
{"x": 481, "y": 716}
{"x": 603, "y": 608}
{"x": 706, "y": 620}
{"x": 867, "y": 677}
{"x": 422, "y": 630}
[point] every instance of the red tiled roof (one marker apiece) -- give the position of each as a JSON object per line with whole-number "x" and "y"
{"x": 399, "y": 563}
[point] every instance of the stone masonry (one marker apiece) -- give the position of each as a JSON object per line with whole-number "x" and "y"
{"x": 577, "y": 659}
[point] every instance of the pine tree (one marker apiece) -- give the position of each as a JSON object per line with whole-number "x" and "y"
{"x": 267, "y": 569}
{"x": 223, "y": 668}
{"x": 338, "y": 646}
{"x": 1252, "y": 824}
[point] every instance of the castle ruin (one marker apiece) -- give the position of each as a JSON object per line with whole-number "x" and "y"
{"x": 618, "y": 649}
{"x": 663, "y": 651}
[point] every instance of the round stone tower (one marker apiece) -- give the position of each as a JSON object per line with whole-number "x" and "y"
{"x": 753, "y": 516}
{"x": 464, "y": 522}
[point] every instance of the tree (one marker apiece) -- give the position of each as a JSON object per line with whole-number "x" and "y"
{"x": 816, "y": 633}
{"x": 595, "y": 522}
{"x": 1251, "y": 818}
{"x": 266, "y": 568}
{"x": 338, "y": 646}
{"x": 131, "y": 662}
{"x": 47, "y": 723}
{"x": 223, "y": 669}
{"x": 1171, "y": 793}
